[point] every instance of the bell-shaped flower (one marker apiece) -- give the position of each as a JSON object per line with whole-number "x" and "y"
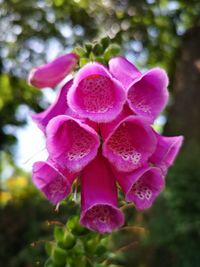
{"x": 52, "y": 73}
{"x": 148, "y": 95}
{"x": 59, "y": 107}
{"x": 123, "y": 70}
{"x": 130, "y": 144}
{"x": 95, "y": 94}
{"x": 166, "y": 151}
{"x": 71, "y": 142}
{"x": 99, "y": 210}
{"x": 141, "y": 186}
{"x": 54, "y": 181}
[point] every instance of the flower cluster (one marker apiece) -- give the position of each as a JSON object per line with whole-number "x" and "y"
{"x": 99, "y": 131}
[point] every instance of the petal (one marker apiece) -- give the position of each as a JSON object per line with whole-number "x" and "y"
{"x": 130, "y": 144}
{"x": 123, "y": 70}
{"x": 107, "y": 128}
{"x": 166, "y": 151}
{"x": 71, "y": 143}
{"x": 50, "y": 74}
{"x": 141, "y": 186}
{"x": 148, "y": 95}
{"x": 59, "y": 107}
{"x": 95, "y": 94}
{"x": 52, "y": 180}
{"x": 99, "y": 210}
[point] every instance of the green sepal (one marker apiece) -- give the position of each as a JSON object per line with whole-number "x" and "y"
{"x": 83, "y": 61}
{"x": 80, "y": 51}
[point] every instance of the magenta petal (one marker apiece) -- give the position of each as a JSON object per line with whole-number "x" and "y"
{"x": 99, "y": 210}
{"x": 107, "y": 128}
{"x": 123, "y": 70}
{"x": 55, "y": 183}
{"x": 130, "y": 144}
{"x": 59, "y": 107}
{"x": 148, "y": 95}
{"x": 71, "y": 143}
{"x": 166, "y": 151}
{"x": 142, "y": 186}
{"x": 50, "y": 74}
{"x": 95, "y": 94}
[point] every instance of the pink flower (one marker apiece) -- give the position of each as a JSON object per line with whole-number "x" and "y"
{"x": 50, "y": 74}
{"x": 123, "y": 70}
{"x": 130, "y": 144}
{"x": 166, "y": 151}
{"x": 71, "y": 143}
{"x": 54, "y": 181}
{"x": 141, "y": 186}
{"x": 147, "y": 93}
{"x": 99, "y": 129}
{"x": 99, "y": 210}
{"x": 95, "y": 94}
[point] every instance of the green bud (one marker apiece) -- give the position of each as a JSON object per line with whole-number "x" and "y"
{"x": 79, "y": 248}
{"x": 58, "y": 255}
{"x": 88, "y": 47}
{"x": 58, "y": 233}
{"x": 105, "y": 42}
{"x": 100, "y": 250}
{"x": 98, "y": 49}
{"x": 49, "y": 263}
{"x": 83, "y": 61}
{"x": 112, "y": 50}
{"x": 74, "y": 226}
{"x": 90, "y": 245}
{"x": 48, "y": 248}
{"x": 99, "y": 265}
{"x": 100, "y": 59}
{"x": 69, "y": 240}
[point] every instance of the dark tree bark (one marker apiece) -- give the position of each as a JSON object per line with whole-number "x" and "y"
{"x": 184, "y": 114}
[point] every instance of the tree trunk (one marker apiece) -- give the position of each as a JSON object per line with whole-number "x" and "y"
{"x": 184, "y": 114}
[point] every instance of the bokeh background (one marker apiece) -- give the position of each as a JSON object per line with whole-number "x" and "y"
{"x": 150, "y": 33}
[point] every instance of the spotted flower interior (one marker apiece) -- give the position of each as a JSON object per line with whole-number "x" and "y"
{"x": 99, "y": 131}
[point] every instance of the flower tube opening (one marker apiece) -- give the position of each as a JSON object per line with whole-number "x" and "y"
{"x": 146, "y": 188}
{"x": 130, "y": 145}
{"x": 71, "y": 143}
{"x": 95, "y": 94}
{"x": 148, "y": 95}
{"x": 52, "y": 181}
{"x": 99, "y": 210}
